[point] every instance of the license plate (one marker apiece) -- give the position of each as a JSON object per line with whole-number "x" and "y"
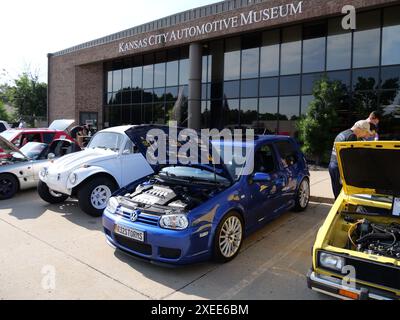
{"x": 130, "y": 233}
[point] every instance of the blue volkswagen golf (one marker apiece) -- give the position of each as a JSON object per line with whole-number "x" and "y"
{"x": 186, "y": 213}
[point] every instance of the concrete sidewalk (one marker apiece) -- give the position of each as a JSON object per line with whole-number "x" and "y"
{"x": 321, "y": 189}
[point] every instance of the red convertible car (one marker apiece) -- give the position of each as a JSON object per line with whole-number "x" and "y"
{"x": 20, "y": 137}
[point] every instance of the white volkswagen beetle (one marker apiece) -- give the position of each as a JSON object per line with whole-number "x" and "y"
{"x": 109, "y": 162}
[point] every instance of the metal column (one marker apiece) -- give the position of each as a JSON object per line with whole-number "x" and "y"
{"x": 194, "y": 101}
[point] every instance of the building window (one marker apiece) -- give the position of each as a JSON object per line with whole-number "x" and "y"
{"x": 248, "y": 113}
{"x": 365, "y": 79}
{"x": 290, "y": 85}
{"x": 230, "y": 112}
{"x": 232, "y": 59}
{"x": 390, "y": 78}
{"x": 314, "y": 47}
{"x": 268, "y": 114}
{"x": 127, "y": 79}
{"x": 338, "y": 46}
{"x": 250, "y": 63}
{"x": 309, "y": 81}
{"x": 109, "y": 81}
{"x": 184, "y": 72}
{"x": 172, "y": 73}
{"x": 289, "y": 112}
{"x": 205, "y": 114}
{"x": 305, "y": 103}
{"x": 231, "y": 89}
{"x": 137, "y": 77}
{"x": 159, "y": 75}
{"x": 249, "y": 88}
{"x": 391, "y": 36}
{"x": 269, "y": 87}
{"x": 148, "y": 76}
{"x": 342, "y": 76}
{"x": 269, "y": 62}
{"x": 367, "y": 40}
{"x": 117, "y": 80}
{"x": 291, "y": 50}
{"x": 89, "y": 118}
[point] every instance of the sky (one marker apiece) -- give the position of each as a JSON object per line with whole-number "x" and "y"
{"x": 31, "y": 29}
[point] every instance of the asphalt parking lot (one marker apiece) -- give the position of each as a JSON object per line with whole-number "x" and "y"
{"x": 61, "y": 243}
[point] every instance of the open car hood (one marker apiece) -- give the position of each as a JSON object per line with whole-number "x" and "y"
{"x": 370, "y": 167}
{"x": 139, "y": 134}
{"x": 61, "y": 124}
{"x": 7, "y": 147}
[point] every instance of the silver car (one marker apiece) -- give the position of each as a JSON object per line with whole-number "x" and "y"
{"x": 19, "y": 168}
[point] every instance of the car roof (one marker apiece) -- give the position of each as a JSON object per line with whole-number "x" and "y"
{"x": 119, "y": 129}
{"x": 33, "y": 130}
{"x": 258, "y": 139}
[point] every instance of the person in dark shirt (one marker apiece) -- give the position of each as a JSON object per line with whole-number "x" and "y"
{"x": 360, "y": 130}
{"x": 374, "y": 119}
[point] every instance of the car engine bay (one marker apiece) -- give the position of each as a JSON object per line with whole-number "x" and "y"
{"x": 170, "y": 196}
{"x": 374, "y": 238}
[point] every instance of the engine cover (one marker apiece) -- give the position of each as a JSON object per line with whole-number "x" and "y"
{"x": 155, "y": 194}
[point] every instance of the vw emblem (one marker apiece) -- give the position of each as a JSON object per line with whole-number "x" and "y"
{"x": 134, "y": 215}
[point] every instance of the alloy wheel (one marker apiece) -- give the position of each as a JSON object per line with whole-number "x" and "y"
{"x": 230, "y": 237}
{"x": 304, "y": 193}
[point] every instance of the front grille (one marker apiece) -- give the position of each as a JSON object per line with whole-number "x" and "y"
{"x": 373, "y": 272}
{"x": 169, "y": 253}
{"x": 133, "y": 245}
{"x": 143, "y": 218}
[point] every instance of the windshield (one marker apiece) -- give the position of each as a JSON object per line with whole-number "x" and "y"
{"x": 192, "y": 173}
{"x": 106, "y": 140}
{"x": 8, "y": 134}
{"x": 234, "y": 159}
{"x": 33, "y": 149}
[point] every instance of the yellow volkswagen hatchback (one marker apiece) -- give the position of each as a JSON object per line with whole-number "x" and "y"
{"x": 357, "y": 251}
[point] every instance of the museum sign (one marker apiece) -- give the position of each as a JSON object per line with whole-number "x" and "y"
{"x": 226, "y": 24}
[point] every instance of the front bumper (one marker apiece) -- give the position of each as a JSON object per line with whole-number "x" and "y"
{"x": 333, "y": 287}
{"x": 185, "y": 246}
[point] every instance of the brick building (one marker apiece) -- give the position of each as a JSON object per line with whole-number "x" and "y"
{"x": 235, "y": 63}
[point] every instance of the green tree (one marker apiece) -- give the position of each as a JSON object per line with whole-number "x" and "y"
{"x": 3, "y": 112}
{"x": 29, "y": 97}
{"x": 316, "y": 128}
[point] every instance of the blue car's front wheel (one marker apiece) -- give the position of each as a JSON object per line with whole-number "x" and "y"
{"x": 228, "y": 237}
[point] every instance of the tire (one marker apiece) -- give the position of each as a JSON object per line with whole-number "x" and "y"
{"x": 94, "y": 194}
{"x": 302, "y": 196}
{"x": 222, "y": 252}
{"x": 8, "y": 186}
{"x": 50, "y": 196}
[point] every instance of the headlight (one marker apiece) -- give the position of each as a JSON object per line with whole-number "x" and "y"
{"x": 174, "y": 221}
{"x": 112, "y": 204}
{"x": 73, "y": 177}
{"x": 331, "y": 261}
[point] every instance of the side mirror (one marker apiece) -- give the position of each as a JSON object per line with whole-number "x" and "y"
{"x": 261, "y": 177}
{"x": 51, "y": 156}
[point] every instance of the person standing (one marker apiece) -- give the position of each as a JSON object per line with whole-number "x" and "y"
{"x": 374, "y": 119}
{"x": 360, "y": 130}
{"x": 22, "y": 124}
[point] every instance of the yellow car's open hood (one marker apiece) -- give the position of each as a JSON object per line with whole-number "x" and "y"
{"x": 370, "y": 167}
